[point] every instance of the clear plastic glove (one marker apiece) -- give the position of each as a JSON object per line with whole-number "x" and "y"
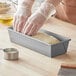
{"x": 36, "y": 21}
{"x": 33, "y": 24}
{"x": 22, "y": 14}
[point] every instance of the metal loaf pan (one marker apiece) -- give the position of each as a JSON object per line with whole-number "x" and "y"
{"x": 39, "y": 46}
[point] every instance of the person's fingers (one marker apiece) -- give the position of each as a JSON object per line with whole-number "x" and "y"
{"x": 32, "y": 30}
{"x": 20, "y": 26}
{"x": 28, "y": 28}
{"x": 36, "y": 30}
{"x": 14, "y": 23}
{"x": 23, "y": 30}
{"x": 21, "y": 23}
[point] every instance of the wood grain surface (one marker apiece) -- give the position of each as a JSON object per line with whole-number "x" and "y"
{"x": 31, "y": 63}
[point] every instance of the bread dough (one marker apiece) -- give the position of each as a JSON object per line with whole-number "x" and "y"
{"x": 46, "y": 38}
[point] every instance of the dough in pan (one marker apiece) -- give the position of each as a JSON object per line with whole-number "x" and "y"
{"x": 46, "y": 38}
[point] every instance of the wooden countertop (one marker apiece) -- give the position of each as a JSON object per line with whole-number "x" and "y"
{"x": 31, "y": 63}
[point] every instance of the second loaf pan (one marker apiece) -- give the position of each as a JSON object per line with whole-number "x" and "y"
{"x": 39, "y": 46}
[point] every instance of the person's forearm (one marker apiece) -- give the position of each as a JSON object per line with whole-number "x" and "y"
{"x": 27, "y": 3}
{"x": 47, "y": 8}
{"x": 54, "y": 2}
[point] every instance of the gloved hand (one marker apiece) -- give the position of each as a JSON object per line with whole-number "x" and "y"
{"x": 22, "y": 14}
{"x": 33, "y": 24}
{"x": 36, "y": 21}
